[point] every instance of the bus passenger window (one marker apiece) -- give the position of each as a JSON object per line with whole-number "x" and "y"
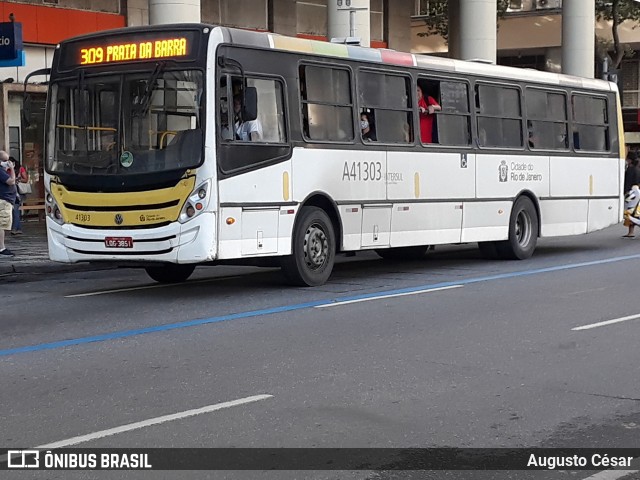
{"x": 499, "y": 115}
{"x": 326, "y": 104}
{"x": 452, "y": 124}
{"x": 387, "y": 98}
{"x": 546, "y": 119}
{"x": 269, "y": 124}
{"x": 590, "y": 123}
{"x": 427, "y": 108}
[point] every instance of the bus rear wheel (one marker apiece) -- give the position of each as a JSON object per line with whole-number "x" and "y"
{"x": 403, "y": 253}
{"x": 523, "y": 232}
{"x": 313, "y": 249}
{"x": 171, "y": 273}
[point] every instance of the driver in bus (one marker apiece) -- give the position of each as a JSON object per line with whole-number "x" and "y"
{"x": 246, "y": 131}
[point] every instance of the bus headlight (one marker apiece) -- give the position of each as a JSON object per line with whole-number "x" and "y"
{"x": 196, "y": 203}
{"x": 52, "y": 209}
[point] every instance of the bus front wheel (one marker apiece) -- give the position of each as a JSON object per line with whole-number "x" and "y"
{"x": 313, "y": 249}
{"x": 172, "y": 273}
{"x": 523, "y": 232}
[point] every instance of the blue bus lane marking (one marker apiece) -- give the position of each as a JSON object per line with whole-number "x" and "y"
{"x": 299, "y": 306}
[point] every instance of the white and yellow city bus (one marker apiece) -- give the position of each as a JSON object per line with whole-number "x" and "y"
{"x": 177, "y": 145}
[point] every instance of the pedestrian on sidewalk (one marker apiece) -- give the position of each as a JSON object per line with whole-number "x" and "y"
{"x": 22, "y": 182}
{"x": 7, "y": 199}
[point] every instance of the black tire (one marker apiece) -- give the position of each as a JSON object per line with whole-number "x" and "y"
{"x": 313, "y": 249}
{"x": 403, "y": 253}
{"x": 171, "y": 273}
{"x": 488, "y": 250}
{"x": 523, "y": 232}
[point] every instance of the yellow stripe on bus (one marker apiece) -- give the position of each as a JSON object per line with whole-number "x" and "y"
{"x": 99, "y": 209}
{"x": 285, "y": 186}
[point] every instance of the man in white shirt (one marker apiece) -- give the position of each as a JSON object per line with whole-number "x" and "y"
{"x": 246, "y": 131}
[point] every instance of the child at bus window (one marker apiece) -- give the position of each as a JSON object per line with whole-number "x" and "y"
{"x": 246, "y": 131}
{"x": 368, "y": 132}
{"x": 427, "y": 107}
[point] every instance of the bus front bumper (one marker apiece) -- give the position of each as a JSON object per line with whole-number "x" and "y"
{"x": 191, "y": 242}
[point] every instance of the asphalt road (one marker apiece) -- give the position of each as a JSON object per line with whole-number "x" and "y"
{"x": 450, "y": 351}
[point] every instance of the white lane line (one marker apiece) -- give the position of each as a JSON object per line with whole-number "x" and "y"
{"x": 147, "y": 423}
{"x": 379, "y": 297}
{"x": 607, "y": 322}
{"x": 611, "y": 474}
{"x": 148, "y": 287}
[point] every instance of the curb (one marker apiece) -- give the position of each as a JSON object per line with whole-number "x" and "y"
{"x": 14, "y": 270}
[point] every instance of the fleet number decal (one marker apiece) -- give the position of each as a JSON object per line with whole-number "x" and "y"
{"x": 362, "y": 171}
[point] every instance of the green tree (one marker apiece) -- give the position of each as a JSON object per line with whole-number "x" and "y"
{"x": 617, "y": 11}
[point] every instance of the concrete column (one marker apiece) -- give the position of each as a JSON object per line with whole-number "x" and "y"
{"x": 578, "y": 30}
{"x": 283, "y": 17}
{"x": 174, "y": 11}
{"x": 454, "y": 29}
{"x": 349, "y": 18}
{"x": 397, "y": 24}
{"x": 478, "y": 23}
{"x": 137, "y": 13}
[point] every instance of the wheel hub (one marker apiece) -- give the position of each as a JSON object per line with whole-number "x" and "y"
{"x": 316, "y": 247}
{"x": 523, "y": 229}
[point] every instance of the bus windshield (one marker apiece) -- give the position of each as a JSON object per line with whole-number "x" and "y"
{"x": 126, "y": 124}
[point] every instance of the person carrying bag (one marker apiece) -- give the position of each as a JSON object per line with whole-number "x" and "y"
{"x": 22, "y": 179}
{"x": 24, "y": 188}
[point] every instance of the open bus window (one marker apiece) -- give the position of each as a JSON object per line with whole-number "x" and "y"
{"x": 267, "y": 127}
{"x": 368, "y": 126}
{"x": 452, "y": 124}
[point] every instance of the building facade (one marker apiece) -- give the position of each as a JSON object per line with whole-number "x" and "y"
{"x": 530, "y": 36}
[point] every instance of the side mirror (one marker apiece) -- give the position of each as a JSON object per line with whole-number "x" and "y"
{"x": 250, "y": 110}
{"x": 26, "y": 110}
{"x": 26, "y": 106}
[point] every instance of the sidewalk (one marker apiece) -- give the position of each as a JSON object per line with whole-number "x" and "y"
{"x": 32, "y": 256}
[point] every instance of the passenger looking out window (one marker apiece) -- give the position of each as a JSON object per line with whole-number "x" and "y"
{"x": 427, "y": 106}
{"x": 366, "y": 125}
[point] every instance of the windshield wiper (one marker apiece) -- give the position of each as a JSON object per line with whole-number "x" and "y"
{"x": 144, "y": 101}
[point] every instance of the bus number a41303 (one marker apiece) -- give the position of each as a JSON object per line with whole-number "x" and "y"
{"x": 362, "y": 171}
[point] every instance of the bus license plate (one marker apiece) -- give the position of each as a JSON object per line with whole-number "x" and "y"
{"x": 118, "y": 242}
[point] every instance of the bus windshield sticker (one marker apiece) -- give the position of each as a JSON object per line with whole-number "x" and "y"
{"x": 126, "y": 159}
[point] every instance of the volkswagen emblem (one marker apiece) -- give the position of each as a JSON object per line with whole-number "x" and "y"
{"x": 118, "y": 219}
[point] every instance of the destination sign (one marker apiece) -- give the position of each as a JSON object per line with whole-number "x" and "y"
{"x": 133, "y": 47}
{"x": 124, "y": 52}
